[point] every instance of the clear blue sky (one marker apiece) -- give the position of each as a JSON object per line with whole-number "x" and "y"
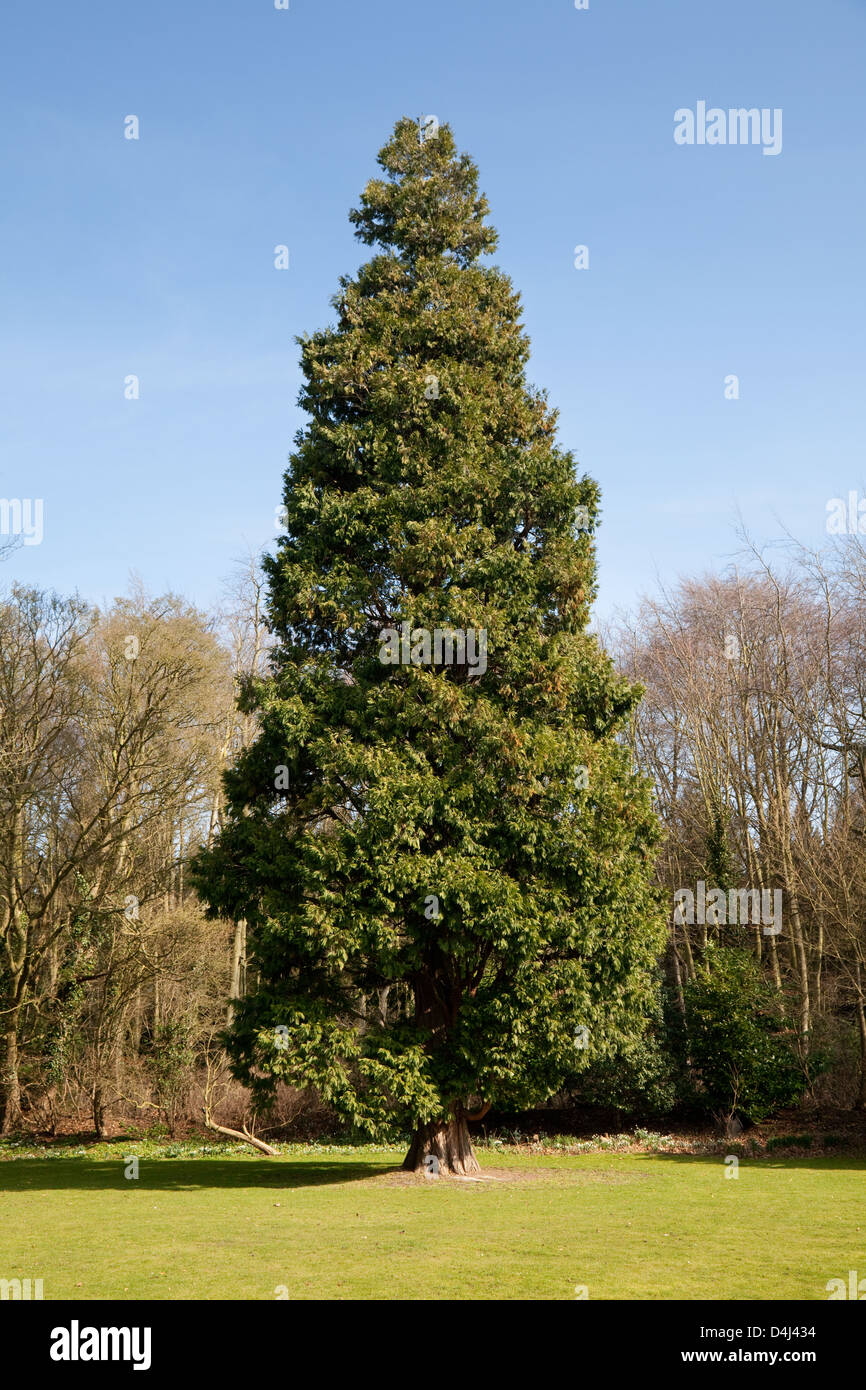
{"x": 261, "y": 126}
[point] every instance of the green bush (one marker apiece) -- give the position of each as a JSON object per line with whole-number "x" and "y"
{"x": 740, "y": 1046}
{"x": 169, "y": 1055}
{"x": 789, "y": 1141}
{"x": 637, "y": 1077}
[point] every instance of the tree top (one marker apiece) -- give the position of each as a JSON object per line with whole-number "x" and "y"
{"x": 429, "y": 204}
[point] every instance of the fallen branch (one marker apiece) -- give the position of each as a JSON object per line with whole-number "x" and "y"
{"x": 216, "y": 1071}
{"x": 243, "y": 1134}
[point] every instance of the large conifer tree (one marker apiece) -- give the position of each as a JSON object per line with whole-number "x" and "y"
{"x": 444, "y": 865}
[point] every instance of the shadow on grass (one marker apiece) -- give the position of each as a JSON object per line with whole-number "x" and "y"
{"x": 181, "y": 1175}
{"x": 819, "y": 1161}
{"x": 202, "y": 1173}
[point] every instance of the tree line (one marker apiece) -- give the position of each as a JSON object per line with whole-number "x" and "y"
{"x": 753, "y": 728}
{"x": 117, "y": 726}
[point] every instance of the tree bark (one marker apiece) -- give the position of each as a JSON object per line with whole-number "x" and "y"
{"x": 677, "y": 973}
{"x": 860, "y": 1102}
{"x": 448, "y": 1142}
{"x": 98, "y": 1111}
{"x": 801, "y": 963}
{"x": 239, "y": 951}
{"x": 10, "y": 1087}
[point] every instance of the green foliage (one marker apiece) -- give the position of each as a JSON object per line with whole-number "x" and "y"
{"x": 428, "y": 835}
{"x": 789, "y": 1141}
{"x": 719, "y": 868}
{"x": 169, "y": 1054}
{"x": 740, "y": 1047}
{"x": 639, "y": 1075}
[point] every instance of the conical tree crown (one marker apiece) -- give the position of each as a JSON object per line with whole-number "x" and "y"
{"x": 437, "y": 812}
{"x": 429, "y": 205}
{"x": 429, "y": 465}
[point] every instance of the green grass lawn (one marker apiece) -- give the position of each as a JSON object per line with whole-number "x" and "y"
{"x": 341, "y": 1225}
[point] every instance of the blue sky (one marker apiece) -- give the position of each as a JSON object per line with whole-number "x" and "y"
{"x": 260, "y": 127}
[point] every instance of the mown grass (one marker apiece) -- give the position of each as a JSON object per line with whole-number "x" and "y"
{"x": 347, "y": 1224}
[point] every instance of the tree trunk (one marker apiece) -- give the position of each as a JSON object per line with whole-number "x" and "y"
{"x": 98, "y": 1111}
{"x": 239, "y": 951}
{"x": 860, "y": 1102}
{"x": 802, "y": 965}
{"x": 677, "y": 973}
{"x": 10, "y": 1087}
{"x": 690, "y": 960}
{"x": 446, "y": 1141}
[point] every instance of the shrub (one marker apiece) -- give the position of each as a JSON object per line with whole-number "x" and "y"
{"x": 739, "y": 1044}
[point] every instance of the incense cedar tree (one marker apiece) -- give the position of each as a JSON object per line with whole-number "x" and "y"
{"x": 445, "y": 872}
